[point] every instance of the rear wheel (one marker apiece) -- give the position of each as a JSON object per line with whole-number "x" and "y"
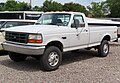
{"x": 51, "y": 58}
{"x": 103, "y": 49}
{"x": 17, "y": 57}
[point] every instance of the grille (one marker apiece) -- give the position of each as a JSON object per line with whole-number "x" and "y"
{"x": 16, "y": 37}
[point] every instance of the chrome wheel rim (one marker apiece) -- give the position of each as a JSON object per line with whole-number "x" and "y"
{"x": 105, "y": 49}
{"x": 53, "y": 59}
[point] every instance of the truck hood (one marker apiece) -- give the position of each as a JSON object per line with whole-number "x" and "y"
{"x": 32, "y": 28}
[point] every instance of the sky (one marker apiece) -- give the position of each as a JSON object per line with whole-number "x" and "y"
{"x": 39, "y": 2}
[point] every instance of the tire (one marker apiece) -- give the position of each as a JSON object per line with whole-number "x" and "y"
{"x": 17, "y": 57}
{"x": 103, "y": 49}
{"x": 51, "y": 58}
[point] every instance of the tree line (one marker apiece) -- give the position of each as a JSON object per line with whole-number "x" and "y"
{"x": 108, "y": 8}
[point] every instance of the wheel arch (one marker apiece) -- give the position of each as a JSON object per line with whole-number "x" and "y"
{"x": 55, "y": 43}
{"x": 106, "y": 37}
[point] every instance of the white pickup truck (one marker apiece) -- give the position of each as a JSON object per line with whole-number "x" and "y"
{"x": 54, "y": 33}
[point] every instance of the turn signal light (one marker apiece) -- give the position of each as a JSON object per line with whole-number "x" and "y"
{"x": 34, "y": 41}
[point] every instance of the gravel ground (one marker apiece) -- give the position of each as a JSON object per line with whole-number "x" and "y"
{"x": 80, "y": 67}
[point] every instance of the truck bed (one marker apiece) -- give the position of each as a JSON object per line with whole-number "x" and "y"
{"x": 99, "y": 22}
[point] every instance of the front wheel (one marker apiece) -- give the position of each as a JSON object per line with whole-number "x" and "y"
{"x": 103, "y": 49}
{"x": 17, "y": 57}
{"x": 51, "y": 58}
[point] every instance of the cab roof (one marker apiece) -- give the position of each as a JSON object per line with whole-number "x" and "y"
{"x": 64, "y": 13}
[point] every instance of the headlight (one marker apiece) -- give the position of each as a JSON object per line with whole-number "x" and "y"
{"x": 35, "y": 38}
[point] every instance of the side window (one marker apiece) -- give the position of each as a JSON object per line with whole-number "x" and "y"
{"x": 79, "y": 19}
{"x": 10, "y": 24}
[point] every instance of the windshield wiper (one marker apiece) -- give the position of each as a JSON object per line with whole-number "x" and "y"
{"x": 57, "y": 24}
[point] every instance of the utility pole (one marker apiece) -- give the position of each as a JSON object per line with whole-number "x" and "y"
{"x": 31, "y": 3}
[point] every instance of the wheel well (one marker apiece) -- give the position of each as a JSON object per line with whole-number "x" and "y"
{"x": 57, "y": 44}
{"x": 107, "y": 37}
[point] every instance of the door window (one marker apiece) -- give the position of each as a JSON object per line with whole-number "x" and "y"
{"x": 80, "y": 19}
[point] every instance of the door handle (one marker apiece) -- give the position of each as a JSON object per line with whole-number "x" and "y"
{"x": 64, "y": 37}
{"x": 86, "y": 30}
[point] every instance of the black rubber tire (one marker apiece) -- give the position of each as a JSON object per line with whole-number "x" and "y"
{"x": 44, "y": 59}
{"x": 101, "y": 52}
{"x": 17, "y": 57}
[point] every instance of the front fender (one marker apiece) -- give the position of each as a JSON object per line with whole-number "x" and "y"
{"x": 54, "y": 39}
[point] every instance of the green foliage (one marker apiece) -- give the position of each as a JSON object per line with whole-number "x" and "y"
{"x": 37, "y": 8}
{"x": 50, "y": 5}
{"x": 1, "y": 6}
{"x": 22, "y": 6}
{"x": 75, "y": 7}
{"x": 99, "y": 9}
{"x": 12, "y": 5}
{"x": 114, "y": 8}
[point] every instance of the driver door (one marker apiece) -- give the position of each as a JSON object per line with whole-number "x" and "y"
{"x": 79, "y": 36}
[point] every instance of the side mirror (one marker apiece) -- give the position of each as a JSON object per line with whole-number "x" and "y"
{"x": 76, "y": 24}
{"x": 82, "y": 24}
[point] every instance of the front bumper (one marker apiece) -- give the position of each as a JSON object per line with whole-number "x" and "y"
{"x": 23, "y": 49}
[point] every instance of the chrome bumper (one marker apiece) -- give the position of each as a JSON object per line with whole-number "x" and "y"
{"x": 23, "y": 49}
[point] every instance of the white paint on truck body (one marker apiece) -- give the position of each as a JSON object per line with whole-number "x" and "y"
{"x": 79, "y": 38}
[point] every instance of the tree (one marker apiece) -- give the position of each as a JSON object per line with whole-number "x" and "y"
{"x": 114, "y": 6}
{"x": 75, "y": 7}
{"x": 22, "y": 6}
{"x": 12, "y": 5}
{"x": 99, "y": 9}
{"x": 37, "y": 8}
{"x": 1, "y": 6}
{"x": 50, "y": 5}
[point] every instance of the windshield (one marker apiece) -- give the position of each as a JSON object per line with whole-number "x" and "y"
{"x": 54, "y": 19}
